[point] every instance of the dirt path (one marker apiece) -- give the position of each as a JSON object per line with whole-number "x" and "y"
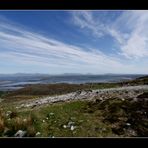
{"x": 90, "y": 94}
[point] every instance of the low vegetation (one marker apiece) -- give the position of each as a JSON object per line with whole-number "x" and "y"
{"x": 114, "y": 117}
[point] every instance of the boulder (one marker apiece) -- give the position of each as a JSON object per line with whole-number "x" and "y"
{"x": 20, "y": 133}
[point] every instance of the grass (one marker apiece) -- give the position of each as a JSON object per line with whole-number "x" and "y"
{"x": 108, "y": 118}
{"x": 2, "y": 93}
{"x": 94, "y": 118}
{"x": 50, "y": 121}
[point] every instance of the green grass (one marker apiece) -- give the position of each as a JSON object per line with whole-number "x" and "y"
{"x": 55, "y": 117}
{"x": 90, "y": 118}
{"x": 2, "y": 93}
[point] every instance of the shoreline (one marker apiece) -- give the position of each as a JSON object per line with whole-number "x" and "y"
{"x": 19, "y": 84}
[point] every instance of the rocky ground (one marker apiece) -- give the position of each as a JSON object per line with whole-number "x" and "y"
{"x": 121, "y": 92}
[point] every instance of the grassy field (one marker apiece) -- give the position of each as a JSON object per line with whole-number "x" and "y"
{"x": 114, "y": 117}
{"x": 110, "y": 118}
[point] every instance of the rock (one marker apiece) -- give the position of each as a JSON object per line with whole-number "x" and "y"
{"x": 128, "y": 124}
{"x": 47, "y": 118}
{"x": 20, "y": 133}
{"x": 8, "y": 113}
{"x": 64, "y": 126}
{"x": 38, "y": 133}
{"x": 131, "y": 132}
{"x": 144, "y": 95}
{"x": 72, "y": 128}
{"x": 135, "y": 99}
{"x": 51, "y": 114}
{"x": 70, "y": 123}
{"x": 43, "y": 121}
{"x": 24, "y": 120}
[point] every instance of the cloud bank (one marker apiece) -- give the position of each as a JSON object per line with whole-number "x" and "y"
{"x": 24, "y": 47}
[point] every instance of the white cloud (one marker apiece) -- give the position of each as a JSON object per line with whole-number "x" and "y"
{"x": 136, "y": 45}
{"x": 25, "y": 47}
{"x": 129, "y": 30}
{"x": 85, "y": 20}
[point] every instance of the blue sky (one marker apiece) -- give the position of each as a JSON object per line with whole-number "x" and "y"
{"x": 56, "y": 42}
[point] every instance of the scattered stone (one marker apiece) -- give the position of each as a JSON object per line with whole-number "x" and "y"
{"x": 72, "y": 128}
{"x": 43, "y": 121}
{"x": 24, "y": 120}
{"x": 64, "y": 126}
{"x": 128, "y": 124}
{"x": 38, "y": 133}
{"x": 135, "y": 99}
{"x": 8, "y": 113}
{"x": 70, "y": 123}
{"x": 144, "y": 95}
{"x": 123, "y": 99}
{"x": 47, "y": 118}
{"x": 20, "y": 133}
{"x": 51, "y": 114}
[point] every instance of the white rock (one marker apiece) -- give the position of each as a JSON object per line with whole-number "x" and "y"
{"x": 71, "y": 123}
{"x": 38, "y": 133}
{"x": 72, "y": 128}
{"x": 64, "y": 126}
{"x": 20, "y": 133}
{"x": 47, "y": 118}
{"x": 51, "y": 114}
{"x": 43, "y": 121}
{"x": 128, "y": 124}
{"x": 24, "y": 120}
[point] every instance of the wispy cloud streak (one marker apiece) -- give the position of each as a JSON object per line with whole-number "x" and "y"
{"x": 20, "y": 45}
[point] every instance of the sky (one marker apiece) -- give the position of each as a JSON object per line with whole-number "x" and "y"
{"x": 56, "y": 42}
